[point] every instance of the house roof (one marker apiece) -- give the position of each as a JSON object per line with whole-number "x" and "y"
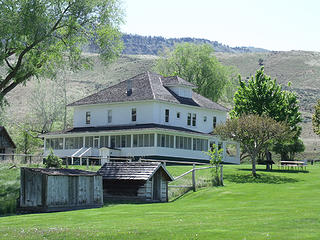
{"x": 62, "y": 172}
{"x": 148, "y": 86}
{"x": 175, "y": 81}
{"x": 149, "y": 126}
{"x": 132, "y": 171}
{"x": 4, "y": 131}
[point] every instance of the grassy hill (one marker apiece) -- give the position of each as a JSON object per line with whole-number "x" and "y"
{"x": 277, "y": 205}
{"x": 301, "y": 68}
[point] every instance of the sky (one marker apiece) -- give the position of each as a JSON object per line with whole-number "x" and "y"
{"x": 279, "y": 25}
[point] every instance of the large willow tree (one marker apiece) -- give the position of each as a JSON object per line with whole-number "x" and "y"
{"x": 37, "y": 36}
{"x": 197, "y": 64}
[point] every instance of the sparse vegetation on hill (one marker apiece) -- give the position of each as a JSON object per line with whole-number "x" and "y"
{"x": 302, "y": 69}
{"x": 147, "y": 45}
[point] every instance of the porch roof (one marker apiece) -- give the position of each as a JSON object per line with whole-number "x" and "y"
{"x": 150, "y": 126}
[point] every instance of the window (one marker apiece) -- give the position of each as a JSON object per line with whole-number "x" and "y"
{"x": 189, "y": 119}
{"x": 54, "y": 143}
{"x": 89, "y": 141}
{"x": 88, "y": 117}
{"x": 183, "y": 142}
{"x": 104, "y": 141}
{"x": 73, "y": 142}
{"x": 194, "y": 119}
{"x": 165, "y": 141}
{"x": 167, "y": 115}
{"x": 214, "y": 122}
{"x": 178, "y": 115}
{"x": 143, "y": 140}
{"x": 109, "y": 116}
{"x": 133, "y": 114}
{"x": 200, "y": 144}
{"x": 205, "y": 118}
{"x": 120, "y": 141}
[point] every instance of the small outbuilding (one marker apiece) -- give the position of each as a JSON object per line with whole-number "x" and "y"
{"x": 48, "y": 190}
{"x": 7, "y": 146}
{"x": 135, "y": 181}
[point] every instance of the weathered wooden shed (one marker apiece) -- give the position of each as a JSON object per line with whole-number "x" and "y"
{"x": 47, "y": 190}
{"x": 7, "y": 146}
{"x": 135, "y": 181}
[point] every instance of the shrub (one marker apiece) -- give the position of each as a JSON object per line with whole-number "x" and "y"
{"x": 53, "y": 161}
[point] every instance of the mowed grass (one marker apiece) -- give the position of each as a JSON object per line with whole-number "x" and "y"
{"x": 277, "y": 205}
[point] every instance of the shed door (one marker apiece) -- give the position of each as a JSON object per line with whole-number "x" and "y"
{"x": 156, "y": 186}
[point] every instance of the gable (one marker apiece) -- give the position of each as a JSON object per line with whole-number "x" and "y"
{"x": 5, "y": 139}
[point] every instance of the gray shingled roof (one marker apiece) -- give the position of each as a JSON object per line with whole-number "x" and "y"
{"x": 62, "y": 172}
{"x": 5, "y": 133}
{"x": 148, "y": 86}
{"x": 131, "y": 170}
{"x": 148, "y": 126}
{"x": 175, "y": 81}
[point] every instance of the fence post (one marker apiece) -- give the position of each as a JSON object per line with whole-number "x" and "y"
{"x": 193, "y": 178}
{"x": 221, "y": 174}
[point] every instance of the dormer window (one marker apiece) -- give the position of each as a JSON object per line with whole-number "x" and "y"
{"x": 109, "y": 116}
{"x": 88, "y": 117}
{"x": 133, "y": 114}
{"x": 214, "y": 124}
{"x": 167, "y": 115}
{"x": 194, "y": 119}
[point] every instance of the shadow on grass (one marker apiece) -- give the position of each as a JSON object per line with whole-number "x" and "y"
{"x": 275, "y": 170}
{"x": 261, "y": 178}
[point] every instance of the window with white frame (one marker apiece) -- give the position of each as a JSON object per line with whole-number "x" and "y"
{"x": 167, "y": 115}
{"x": 88, "y": 117}
{"x": 214, "y": 122}
{"x": 120, "y": 141}
{"x": 104, "y": 141}
{"x": 183, "y": 142}
{"x": 54, "y": 143}
{"x": 73, "y": 142}
{"x": 200, "y": 144}
{"x": 189, "y": 119}
{"x": 109, "y": 116}
{"x": 143, "y": 140}
{"x": 133, "y": 114}
{"x": 165, "y": 140}
{"x": 194, "y": 119}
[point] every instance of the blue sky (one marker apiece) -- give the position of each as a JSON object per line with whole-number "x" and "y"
{"x": 273, "y": 24}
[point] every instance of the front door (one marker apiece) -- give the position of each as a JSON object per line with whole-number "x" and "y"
{"x": 156, "y": 186}
{"x": 96, "y": 142}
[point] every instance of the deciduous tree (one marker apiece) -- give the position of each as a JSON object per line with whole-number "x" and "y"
{"x": 37, "y": 36}
{"x": 262, "y": 95}
{"x": 198, "y": 65}
{"x": 254, "y": 133}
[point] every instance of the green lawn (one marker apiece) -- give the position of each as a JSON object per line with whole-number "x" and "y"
{"x": 278, "y": 205}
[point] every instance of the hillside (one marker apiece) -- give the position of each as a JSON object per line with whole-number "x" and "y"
{"x": 301, "y": 68}
{"x": 146, "y": 45}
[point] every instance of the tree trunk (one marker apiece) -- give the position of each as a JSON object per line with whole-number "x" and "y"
{"x": 253, "y": 158}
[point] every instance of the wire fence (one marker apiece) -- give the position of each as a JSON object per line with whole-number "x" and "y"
{"x": 20, "y": 159}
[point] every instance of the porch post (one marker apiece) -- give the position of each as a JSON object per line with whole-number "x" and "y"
{"x": 156, "y": 139}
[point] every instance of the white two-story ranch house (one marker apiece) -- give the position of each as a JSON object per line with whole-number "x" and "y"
{"x": 147, "y": 116}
